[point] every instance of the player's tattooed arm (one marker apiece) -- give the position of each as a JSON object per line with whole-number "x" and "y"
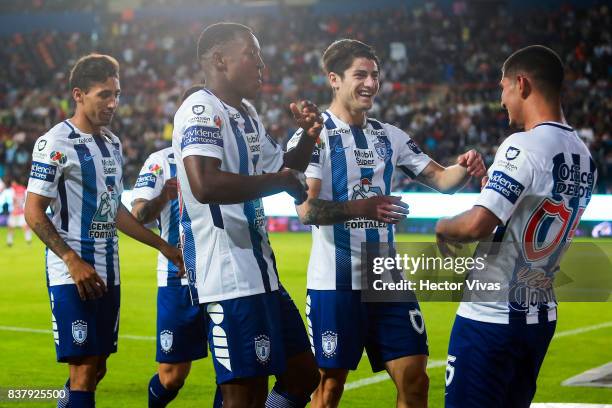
{"x": 37, "y": 219}
{"x": 316, "y": 211}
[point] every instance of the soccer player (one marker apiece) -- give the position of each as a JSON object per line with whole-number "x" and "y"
{"x": 181, "y": 335}
{"x": 16, "y": 218}
{"x": 76, "y": 169}
{"x": 538, "y": 187}
{"x": 226, "y": 162}
{"x": 349, "y": 178}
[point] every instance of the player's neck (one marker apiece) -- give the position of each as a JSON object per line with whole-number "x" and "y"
{"x": 84, "y": 124}
{"x": 226, "y": 95}
{"x": 542, "y": 112}
{"x": 342, "y": 112}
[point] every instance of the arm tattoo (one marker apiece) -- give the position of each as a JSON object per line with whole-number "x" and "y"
{"x": 49, "y": 235}
{"x": 148, "y": 211}
{"x": 324, "y": 212}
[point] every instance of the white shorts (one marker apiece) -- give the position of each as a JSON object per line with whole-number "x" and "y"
{"x": 16, "y": 221}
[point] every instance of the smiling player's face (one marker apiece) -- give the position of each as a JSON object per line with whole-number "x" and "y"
{"x": 100, "y": 101}
{"x": 244, "y": 65}
{"x": 511, "y": 101}
{"x": 359, "y": 86}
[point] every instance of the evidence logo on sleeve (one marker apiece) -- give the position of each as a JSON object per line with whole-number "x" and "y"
{"x": 505, "y": 185}
{"x": 146, "y": 180}
{"x": 201, "y": 135}
{"x": 43, "y": 171}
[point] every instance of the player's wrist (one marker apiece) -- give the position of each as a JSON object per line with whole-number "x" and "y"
{"x": 69, "y": 257}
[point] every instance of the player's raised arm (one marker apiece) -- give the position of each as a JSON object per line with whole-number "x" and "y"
{"x": 315, "y": 211}
{"x": 451, "y": 179}
{"x": 309, "y": 119}
{"x": 129, "y": 225}
{"x": 88, "y": 282}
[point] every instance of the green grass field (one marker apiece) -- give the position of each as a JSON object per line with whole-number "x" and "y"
{"x": 27, "y": 357}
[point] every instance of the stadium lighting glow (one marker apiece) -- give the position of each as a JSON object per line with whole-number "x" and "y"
{"x": 425, "y": 205}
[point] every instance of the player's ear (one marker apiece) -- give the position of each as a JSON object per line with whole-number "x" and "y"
{"x": 218, "y": 60}
{"x": 524, "y": 85}
{"x": 334, "y": 80}
{"x": 77, "y": 95}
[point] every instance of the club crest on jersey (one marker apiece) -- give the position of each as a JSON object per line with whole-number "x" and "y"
{"x": 198, "y": 109}
{"x": 365, "y": 189}
{"x": 58, "y": 157}
{"x": 329, "y": 343}
{"x": 262, "y": 348}
{"x": 381, "y": 149}
{"x": 512, "y": 153}
{"x": 165, "y": 340}
{"x": 79, "y": 331}
{"x": 155, "y": 169}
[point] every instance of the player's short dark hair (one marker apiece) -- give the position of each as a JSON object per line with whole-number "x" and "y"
{"x": 193, "y": 89}
{"x": 541, "y": 64}
{"x": 339, "y": 56}
{"x": 219, "y": 34}
{"x": 92, "y": 68}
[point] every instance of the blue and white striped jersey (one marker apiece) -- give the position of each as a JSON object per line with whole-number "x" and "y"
{"x": 539, "y": 186}
{"x": 82, "y": 174}
{"x": 226, "y": 249}
{"x": 353, "y": 163}
{"x": 156, "y": 170}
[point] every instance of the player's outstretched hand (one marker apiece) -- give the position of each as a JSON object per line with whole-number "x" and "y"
{"x": 472, "y": 161}
{"x": 308, "y": 118}
{"x": 170, "y": 189}
{"x": 389, "y": 209}
{"x": 174, "y": 255}
{"x": 89, "y": 284}
{"x": 294, "y": 183}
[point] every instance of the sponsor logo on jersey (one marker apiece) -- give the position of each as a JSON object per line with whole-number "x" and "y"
{"x": 377, "y": 132}
{"x": 202, "y": 135}
{"x": 262, "y": 348}
{"x": 253, "y": 141}
{"x": 198, "y": 109}
{"x": 84, "y": 140}
{"x": 338, "y": 132}
{"x": 329, "y": 343}
{"x": 43, "y": 171}
{"x": 166, "y": 338}
{"x": 156, "y": 169}
{"x": 571, "y": 181}
{"x": 414, "y": 147}
{"x": 365, "y": 189}
{"x": 505, "y": 185}
{"x": 103, "y": 224}
{"x": 365, "y": 158}
{"x": 79, "y": 331}
{"x": 259, "y": 219}
{"x": 109, "y": 166}
{"x": 146, "y": 180}
{"x": 42, "y": 143}
{"x": 512, "y": 153}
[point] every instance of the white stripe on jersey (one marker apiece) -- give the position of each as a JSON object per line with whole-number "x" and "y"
{"x": 82, "y": 174}
{"x": 225, "y": 247}
{"x": 354, "y": 163}
{"x": 539, "y": 185}
{"x": 156, "y": 170}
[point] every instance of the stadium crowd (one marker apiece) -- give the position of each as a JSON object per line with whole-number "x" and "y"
{"x": 440, "y": 75}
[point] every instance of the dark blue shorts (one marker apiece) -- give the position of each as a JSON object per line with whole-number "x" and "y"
{"x": 84, "y": 328}
{"x": 495, "y": 365}
{"x": 181, "y": 327}
{"x": 341, "y": 326}
{"x": 254, "y": 335}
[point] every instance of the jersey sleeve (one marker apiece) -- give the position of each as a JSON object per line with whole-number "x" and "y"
{"x": 203, "y": 129}
{"x": 316, "y": 159}
{"x": 410, "y": 158}
{"x": 272, "y": 154}
{"x": 49, "y": 159}
{"x": 509, "y": 177}
{"x": 150, "y": 180}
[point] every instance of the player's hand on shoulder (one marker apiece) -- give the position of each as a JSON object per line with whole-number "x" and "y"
{"x": 308, "y": 117}
{"x": 294, "y": 183}
{"x": 89, "y": 284}
{"x": 389, "y": 209}
{"x": 472, "y": 161}
{"x": 170, "y": 189}
{"x": 174, "y": 255}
